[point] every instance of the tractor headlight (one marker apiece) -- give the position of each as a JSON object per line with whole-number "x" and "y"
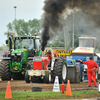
{"x": 13, "y": 54}
{"x": 18, "y": 54}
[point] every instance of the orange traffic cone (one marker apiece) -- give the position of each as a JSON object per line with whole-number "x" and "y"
{"x": 68, "y": 89}
{"x": 8, "y": 91}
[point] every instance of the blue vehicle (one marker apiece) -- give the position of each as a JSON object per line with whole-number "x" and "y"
{"x": 84, "y": 51}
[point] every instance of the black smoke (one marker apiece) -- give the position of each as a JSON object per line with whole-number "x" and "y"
{"x": 55, "y": 10}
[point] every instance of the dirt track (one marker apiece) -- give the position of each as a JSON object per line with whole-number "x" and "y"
{"x": 23, "y": 86}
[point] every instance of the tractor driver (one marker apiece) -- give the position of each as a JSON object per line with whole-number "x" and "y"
{"x": 48, "y": 54}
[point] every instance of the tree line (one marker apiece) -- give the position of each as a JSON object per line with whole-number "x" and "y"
{"x": 82, "y": 26}
{"x": 22, "y": 28}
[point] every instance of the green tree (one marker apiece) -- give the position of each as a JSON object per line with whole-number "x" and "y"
{"x": 22, "y": 28}
{"x": 58, "y": 41}
{"x": 34, "y": 26}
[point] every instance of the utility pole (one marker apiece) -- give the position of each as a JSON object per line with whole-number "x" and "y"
{"x": 73, "y": 31}
{"x": 65, "y": 38}
{"x": 15, "y": 20}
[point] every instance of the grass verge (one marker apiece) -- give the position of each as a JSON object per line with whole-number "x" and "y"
{"x": 44, "y": 95}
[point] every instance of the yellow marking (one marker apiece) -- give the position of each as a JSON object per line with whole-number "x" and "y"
{"x": 77, "y": 71}
{"x": 29, "y": 77}
{"x": 61, "y": 52}
{"x": 25, "y": 50}
{"x": 23, "y": 72}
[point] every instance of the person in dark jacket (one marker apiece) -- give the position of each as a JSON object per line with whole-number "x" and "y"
{"x": 91, "y": 71}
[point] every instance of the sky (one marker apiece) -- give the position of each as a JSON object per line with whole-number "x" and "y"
{"x": 26, "y": 9}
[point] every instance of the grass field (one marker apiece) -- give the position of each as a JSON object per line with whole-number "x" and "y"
{"x": 45, "y": 95}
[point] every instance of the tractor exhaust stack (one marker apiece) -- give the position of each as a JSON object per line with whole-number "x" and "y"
{"x": 42, "y": 53}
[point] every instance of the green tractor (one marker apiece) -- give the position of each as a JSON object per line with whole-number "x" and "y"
{"x": 20, "y": 56}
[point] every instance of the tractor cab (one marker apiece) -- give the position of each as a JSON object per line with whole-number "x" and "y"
{"x": 30, "y": 44}
{"x": 21, "y": 53}
{"x": 22, "y": 50}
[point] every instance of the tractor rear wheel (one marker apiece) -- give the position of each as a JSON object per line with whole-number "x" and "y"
{"x": 27, "y": 77}
{"x": 5, "y": 70}
{"x": 60, "y": 70}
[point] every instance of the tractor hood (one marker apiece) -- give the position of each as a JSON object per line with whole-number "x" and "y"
{"x": 84, "y": 50}
{"x": 19, "y": 50}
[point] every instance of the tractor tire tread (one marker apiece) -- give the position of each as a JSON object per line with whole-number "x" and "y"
{"x": 57, "y": 71}
{"x": 5, "y": 70}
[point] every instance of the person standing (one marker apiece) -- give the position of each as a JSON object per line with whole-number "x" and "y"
{"x": 90, "y": 71}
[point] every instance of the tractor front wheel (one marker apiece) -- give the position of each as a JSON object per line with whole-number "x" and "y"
{"x": 5, "y": 70}
{"x": 27, "y": 77}
{"x": 47, "y": 77}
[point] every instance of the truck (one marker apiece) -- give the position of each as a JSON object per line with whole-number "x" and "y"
{"x": 85, "y": 49}
{"x": 18, "y": 59}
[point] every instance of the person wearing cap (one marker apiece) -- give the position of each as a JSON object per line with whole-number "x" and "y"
{"x": 90, "y": 71}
